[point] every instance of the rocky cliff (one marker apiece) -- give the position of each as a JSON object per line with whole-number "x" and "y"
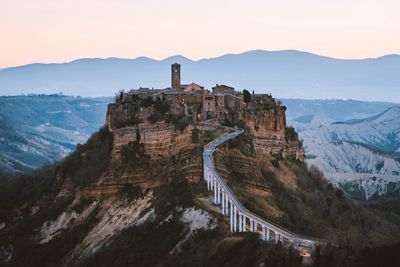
{"x": 270, "y": 135}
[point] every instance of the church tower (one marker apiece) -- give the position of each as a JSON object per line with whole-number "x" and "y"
{"x": 176, "y": 76}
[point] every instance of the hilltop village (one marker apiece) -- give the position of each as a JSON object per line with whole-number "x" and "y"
{"x": 198, "y": 104}
{"x": 144, "y": 111}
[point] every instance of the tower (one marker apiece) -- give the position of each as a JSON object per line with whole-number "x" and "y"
{"x": 176, "y": 76}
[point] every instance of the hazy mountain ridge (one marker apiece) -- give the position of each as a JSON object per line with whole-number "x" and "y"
{"x": 287, "y": 73}
{"x": 333, "y": 110}
{"x": 37, "y": 130}
{"x": 360, "y": 155}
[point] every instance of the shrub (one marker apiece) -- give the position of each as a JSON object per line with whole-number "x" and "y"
{"x": 160, "y": 106}
{"x": 290, "y": 134}
{"x": 147, "y": 102}
{"x": 131, "y": 192}
{"x": 20, "y": 188}
{"x": 246, "y": 96}
{"x": 180, "y": 123}
{"x": 90, "y": 160}
{"x": 195, "y": 136}
{"x": 133, "y": 153}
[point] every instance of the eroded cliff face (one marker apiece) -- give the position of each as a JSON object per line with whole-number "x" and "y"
{"x": 91, "y": 203}
{"x": 269, "y": 133}
{"x": 148, "y": 155}
{"x": 160, "y": 140}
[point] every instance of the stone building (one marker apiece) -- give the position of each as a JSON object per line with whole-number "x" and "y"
{"x": 223, "y": 89}
{"x": 219, "y": 106}
{"x": 192, "y": 87}
{"x": 194, "y": 101}
{"x": 213, "y": 106}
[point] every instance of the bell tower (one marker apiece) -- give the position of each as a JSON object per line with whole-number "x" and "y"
{"x": 176, "y": 76}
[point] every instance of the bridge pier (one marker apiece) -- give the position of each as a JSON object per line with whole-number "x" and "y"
{"x": 223, "y": 202}
{"x": 218, "y": 193}
{"x": 226, "y": 204}
{"x": 263, "y": 237}
{"x": 215, "y": 190}
{"x": 234, "y": 219}
{"x": 208, "y": 179}
{"x": 230, "y": 216}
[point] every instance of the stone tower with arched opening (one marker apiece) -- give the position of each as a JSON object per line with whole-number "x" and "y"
{"x": 176, "y": 76}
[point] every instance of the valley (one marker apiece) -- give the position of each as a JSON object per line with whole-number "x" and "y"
{"x": 357, "y": 148}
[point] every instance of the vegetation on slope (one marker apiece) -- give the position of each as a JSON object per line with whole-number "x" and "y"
{"x": 301, "y": 200}
{"x": 22, "y": 194}
{"x": 158, "y": 242}
{"x": 89, "y": 160}
{"x": 311, "y": 207}
{"x": 161, "y": 240}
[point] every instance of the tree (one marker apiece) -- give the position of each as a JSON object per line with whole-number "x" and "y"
{"x": 246, "y": 96}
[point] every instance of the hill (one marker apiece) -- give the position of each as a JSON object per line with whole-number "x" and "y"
{"x": 39, "y": 129}
{"x": 359, "y": 154}
{"x": 135, "y": 195}
{"x": 325, "y": 111}
{"x": 287, "y": 73}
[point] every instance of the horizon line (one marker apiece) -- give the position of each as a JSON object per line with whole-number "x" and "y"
{"x": 60, "y": 94}
{"x": 192, "y": 60}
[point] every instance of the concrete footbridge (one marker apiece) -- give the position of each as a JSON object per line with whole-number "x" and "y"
{"x": 241, "y": 219}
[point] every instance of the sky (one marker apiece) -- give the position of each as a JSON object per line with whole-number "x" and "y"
{"x": 63, "y": 30}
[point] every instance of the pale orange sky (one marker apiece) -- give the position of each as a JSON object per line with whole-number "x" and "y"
{"x": 64, "y": 30}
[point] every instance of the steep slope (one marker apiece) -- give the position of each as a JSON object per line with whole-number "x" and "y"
{"x": 286, "y": 73}
{"x": 285, "y": 191}
{"x": 114, "y": 204}
{"x": 155, "y": 212}
{"x": 40, "y": 129}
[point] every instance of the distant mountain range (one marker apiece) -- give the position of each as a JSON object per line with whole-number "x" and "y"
{"x": 285, "y": 74}
{"x": 360, "y": 155}
{"x": 38, "y": 130}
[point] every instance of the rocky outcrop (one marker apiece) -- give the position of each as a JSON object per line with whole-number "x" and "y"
{"x": 267, "y": 128}
{"x": 166, "y": 152}
{"x": 160, "y": 139}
